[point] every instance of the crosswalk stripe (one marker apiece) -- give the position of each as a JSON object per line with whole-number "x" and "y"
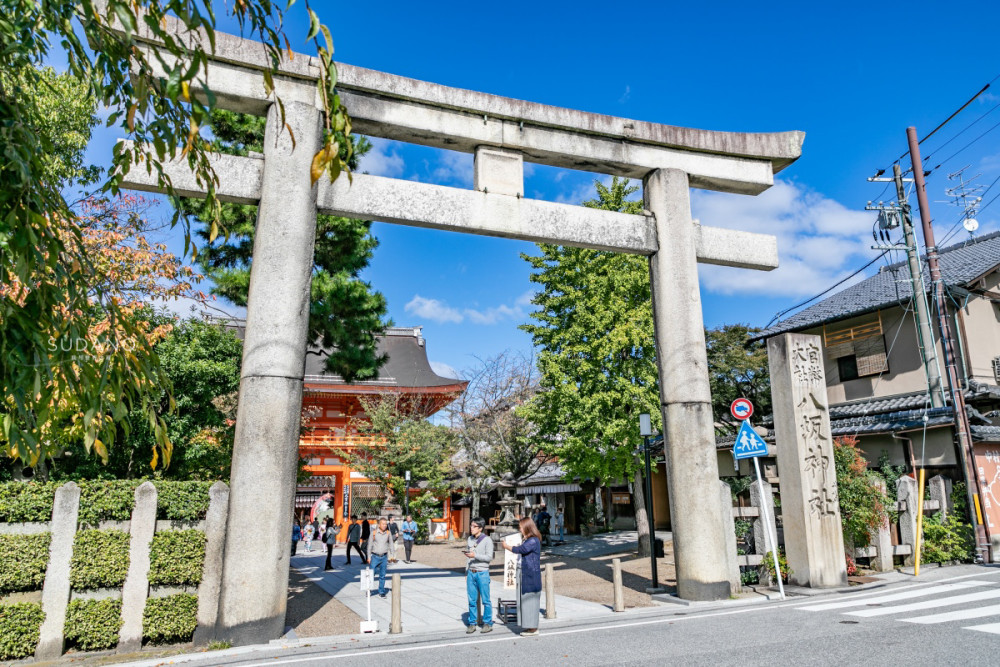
{"x": 993, "y": 628}
{"x": 893, "y": 597}
{"x": 960, "y": 615}
{"x": 928, "y": 604}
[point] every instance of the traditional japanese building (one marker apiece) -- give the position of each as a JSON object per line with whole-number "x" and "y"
{"x": 329, "y": 404}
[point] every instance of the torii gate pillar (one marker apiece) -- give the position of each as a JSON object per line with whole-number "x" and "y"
{"x": 700, "y": 537}
{"x": 265, "y": 456}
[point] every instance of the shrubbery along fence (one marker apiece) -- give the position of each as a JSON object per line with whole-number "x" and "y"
{"x": 108, "y": 564}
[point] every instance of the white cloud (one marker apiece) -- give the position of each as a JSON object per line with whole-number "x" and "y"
{"x": 383, "y": 159}
{"x": 444, "y": 370}
{"x": 439, "y": 311}
{"x": 453, "y": 168}
{"x": 583, "y": 191}
{"x": 820, "y": 241}
{"x": 626, "y": 95}
{"x": 432, "y": 309}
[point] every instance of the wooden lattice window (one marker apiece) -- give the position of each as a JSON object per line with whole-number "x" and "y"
{"x": 861, "y": 346}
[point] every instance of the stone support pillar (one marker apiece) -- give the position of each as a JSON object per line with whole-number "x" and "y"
{"x": 141, "y": 530}
{"x": 814, "y": 539}
{"x": 211, "y": 578}
{"x": 726, "y": 495}
{"x": 938, "y": 491}
{"x": 56, "y": 589}
{"x": 881, "y": 539}
{"x": 701, "y": 554}
{"x": 762, "y": 538}
{"x": 265, "y": 454}
{"x": 906, "y": 493}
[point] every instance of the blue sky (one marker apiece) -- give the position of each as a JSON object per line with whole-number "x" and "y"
{"x": 851, "y": 75}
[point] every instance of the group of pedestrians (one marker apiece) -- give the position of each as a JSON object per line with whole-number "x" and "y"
{"x": 376, "y": 547}
{"x": 479, "y": 551}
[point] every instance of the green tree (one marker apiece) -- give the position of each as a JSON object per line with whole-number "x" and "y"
{"x": 737, "y": 368}
{"x": 202, "y": 362}
{"x": 345, "y": 313}
{"x": 594, "y": 333}
{"x": 45, "y": 277}
{"x": 394, "y": 436}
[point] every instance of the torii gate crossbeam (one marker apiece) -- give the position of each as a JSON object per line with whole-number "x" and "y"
{"x": 502, "y": 133}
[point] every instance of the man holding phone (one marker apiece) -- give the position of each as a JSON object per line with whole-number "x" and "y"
{"x": 479, "y": 551}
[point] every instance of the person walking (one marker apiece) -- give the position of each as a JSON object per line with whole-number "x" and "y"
{"x": 366, "y": 533}
{"x": 308, "y": 537}
{"x": 530, "y": 551}
{"x": 330, "y": 533}
{"x": 477, "y": 575}
{"x": 561, "y": 523}
{"x": 353, "y": 540}
{"x": 296, "y": 536}
{"x": 394, "y": 532}
{"x": 409, "y": 536}
{"x": 380, "y": 548}
{"x": 542, "y": 523}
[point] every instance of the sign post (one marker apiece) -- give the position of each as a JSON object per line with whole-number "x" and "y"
{"x": 749, "y": 445}
{"x": 367, "y": 581}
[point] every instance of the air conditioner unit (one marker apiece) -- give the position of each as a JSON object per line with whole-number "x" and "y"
{"x": 996, "y": 369}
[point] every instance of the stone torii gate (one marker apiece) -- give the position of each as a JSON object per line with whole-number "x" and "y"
{"x": 501, "y": 133}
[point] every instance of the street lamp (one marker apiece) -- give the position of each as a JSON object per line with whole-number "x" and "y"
{"x": 646, "y": 430}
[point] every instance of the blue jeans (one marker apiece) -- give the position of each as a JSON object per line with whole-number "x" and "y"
{"x": 378, "y": 564}
{"x": 477, "y": 585}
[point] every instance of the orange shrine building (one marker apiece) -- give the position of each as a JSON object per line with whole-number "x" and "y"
{"x": 329, "y": 404}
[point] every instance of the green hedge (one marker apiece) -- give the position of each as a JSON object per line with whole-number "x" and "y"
{"x": 92, "y": 625}
{"x": 100, "y": 559}
{"x": 176, "y": 557}
{"x": 106, "y": 500}
{"x": 23, "y": 559}
{"x": 26, "y": 501}
{"x": 182, "y": 501}
{"x": 103, "y": 500}
{"x": 19, "y": 627}
{"x": 170, "y": 619}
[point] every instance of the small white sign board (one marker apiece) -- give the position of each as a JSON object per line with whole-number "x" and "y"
{"x": 367, "y": 580}
{"x": 510, "y": 560}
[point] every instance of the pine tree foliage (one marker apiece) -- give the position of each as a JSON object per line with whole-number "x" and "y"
{"x": 345, "y": 313}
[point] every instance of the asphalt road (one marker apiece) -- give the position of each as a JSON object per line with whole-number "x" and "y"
{"x": 948, "y": 616}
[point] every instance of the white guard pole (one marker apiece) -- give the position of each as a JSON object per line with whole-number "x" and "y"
{"x": 773, "y": 547}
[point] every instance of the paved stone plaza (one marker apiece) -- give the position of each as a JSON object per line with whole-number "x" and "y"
{"x": 434, "y": 599}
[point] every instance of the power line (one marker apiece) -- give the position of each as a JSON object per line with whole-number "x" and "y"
{"x": 963, "y": 130}
{"x": 826, "y": 291}
{"x": 966, "y": 146}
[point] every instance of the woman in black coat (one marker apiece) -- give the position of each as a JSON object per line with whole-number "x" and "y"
{"x": 530, "y": 551}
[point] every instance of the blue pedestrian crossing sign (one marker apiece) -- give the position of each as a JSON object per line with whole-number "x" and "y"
{"x": 748, "y": 443}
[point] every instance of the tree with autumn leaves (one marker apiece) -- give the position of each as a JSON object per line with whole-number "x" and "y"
{"x": 46, "y": 277}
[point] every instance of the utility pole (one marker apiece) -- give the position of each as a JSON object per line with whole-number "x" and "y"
{"x": 948, "y": 345}
{"x": 889, "y": 217}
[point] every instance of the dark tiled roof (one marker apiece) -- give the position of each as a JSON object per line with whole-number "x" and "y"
{"x": 406, "y": 365}
{"x": 889, "y": 422}
{"x": 986, "y": 433}
{"x": 960, "y": 264}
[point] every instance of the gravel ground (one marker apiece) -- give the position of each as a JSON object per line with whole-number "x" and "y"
{"x": 312, "y": 612}
{"x": 580, "y": 578}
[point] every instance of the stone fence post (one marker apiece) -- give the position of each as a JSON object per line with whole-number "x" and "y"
{"x": 882, "y": 541}
{"x": 725, "y": 494}
{"x": 56, "y": 589}
{"x": 939, "y": 492}
{"x": 906, "y": 492}
{"x": 136, "y": 587}
{"x": 211, "y": 579}
{"x": 760, "y": 528}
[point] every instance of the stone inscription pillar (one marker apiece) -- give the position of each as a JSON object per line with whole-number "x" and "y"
{"x": 814, "y": 539}
{"x": 701, "y": 540}
{"x": 262, "y": 486}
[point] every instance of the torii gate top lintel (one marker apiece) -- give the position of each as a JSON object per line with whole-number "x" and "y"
{"x": 396, "y": 107}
